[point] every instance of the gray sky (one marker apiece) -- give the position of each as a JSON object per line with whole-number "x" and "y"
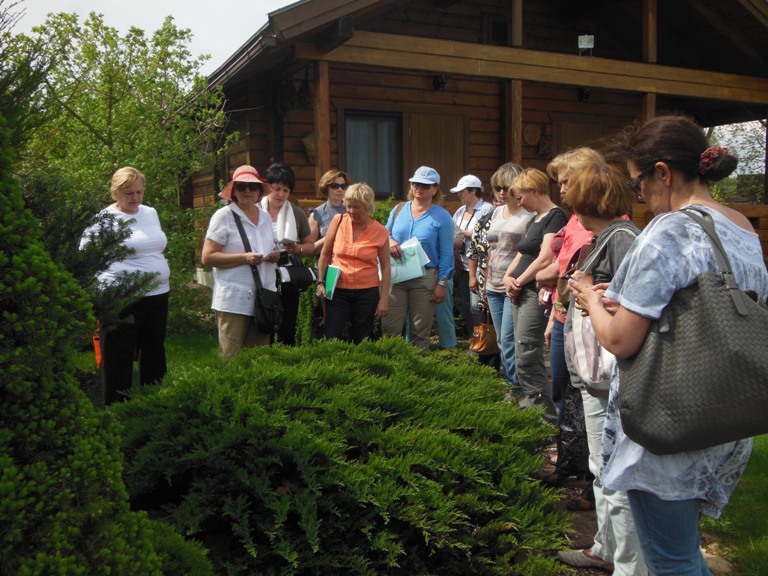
{"x": 215, "y": 31}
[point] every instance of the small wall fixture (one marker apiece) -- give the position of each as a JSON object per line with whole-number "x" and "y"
{"x": 439, "y": 81}
{"x": 586, "y": 43}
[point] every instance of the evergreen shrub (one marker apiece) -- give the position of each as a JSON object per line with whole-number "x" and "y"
{"x": 332, "y": 458}
{"x": 63, "y": 505}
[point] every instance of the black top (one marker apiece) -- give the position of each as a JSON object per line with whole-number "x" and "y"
{"x": 530, "y": 246}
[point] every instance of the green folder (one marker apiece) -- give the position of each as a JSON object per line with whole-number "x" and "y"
{"x": 331, "y": 278}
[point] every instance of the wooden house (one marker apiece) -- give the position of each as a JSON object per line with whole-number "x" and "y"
{"x": 380, "y": 87}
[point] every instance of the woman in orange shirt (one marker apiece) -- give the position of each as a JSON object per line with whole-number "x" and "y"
{"x": 359, "y": 246}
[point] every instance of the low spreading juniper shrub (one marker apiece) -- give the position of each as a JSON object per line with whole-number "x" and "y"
{"x": 338, "y": 459}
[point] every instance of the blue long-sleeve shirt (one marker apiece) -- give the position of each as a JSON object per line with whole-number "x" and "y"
{"x": 434, "y": 229}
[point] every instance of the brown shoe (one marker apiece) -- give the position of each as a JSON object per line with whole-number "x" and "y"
{"x": 583, "y": 559}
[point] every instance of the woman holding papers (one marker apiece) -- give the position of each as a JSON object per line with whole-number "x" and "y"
{"x": 356, "y": 247}
{"x": 422, "y": 219}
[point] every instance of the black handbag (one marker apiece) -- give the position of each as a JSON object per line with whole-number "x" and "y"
{"x": 699, "y": 379}
{"x": 268, "y": 307}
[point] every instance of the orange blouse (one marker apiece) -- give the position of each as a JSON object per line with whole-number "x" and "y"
{"x": 358, "y": 260}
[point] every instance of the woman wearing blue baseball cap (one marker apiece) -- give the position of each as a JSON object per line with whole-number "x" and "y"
{"x": 423, "y": 218}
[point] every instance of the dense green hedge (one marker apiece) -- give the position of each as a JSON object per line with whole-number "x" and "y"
{"x": 338, "y": 459}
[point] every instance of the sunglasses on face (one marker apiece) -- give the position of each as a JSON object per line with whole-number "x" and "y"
{"x": 501, "y": 188}
{"x": 337, "y": 186}
{"x": 243, "y": 186}
{"x": 634, "y": 183}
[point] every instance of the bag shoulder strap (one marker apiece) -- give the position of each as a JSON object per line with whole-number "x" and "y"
{"x": 397, "y": 212}
{"x": 598, "y": 249}
{"x": 247, "y": 246}
{"x": 704, "y": 219}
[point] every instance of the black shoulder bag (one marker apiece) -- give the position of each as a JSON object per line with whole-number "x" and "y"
{"x": 268, "y": 308}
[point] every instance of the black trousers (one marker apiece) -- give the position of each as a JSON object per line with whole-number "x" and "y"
{"x": 356, "y": 306}
{"x": 145, "y": 337}
{"x": 289, "y": 296}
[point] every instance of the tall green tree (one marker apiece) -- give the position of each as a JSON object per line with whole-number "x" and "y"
{"x": 113, "y": 99}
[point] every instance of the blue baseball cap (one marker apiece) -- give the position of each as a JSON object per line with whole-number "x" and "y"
{"x": 425, "y": 175}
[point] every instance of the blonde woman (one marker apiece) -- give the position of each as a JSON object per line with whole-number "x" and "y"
{"x": 534, "y": 253}
{"x": 359, "y": 246}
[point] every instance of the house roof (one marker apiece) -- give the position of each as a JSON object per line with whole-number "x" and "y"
{"x": 711, "y": 56}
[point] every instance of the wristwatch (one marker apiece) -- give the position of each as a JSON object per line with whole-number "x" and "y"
{"x": 320, "y": 282}
{"x": 442, "y": 283}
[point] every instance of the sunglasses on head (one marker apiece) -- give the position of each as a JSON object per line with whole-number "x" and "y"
{"x": 337, "y": 186}
{"x": 243, "y": 186}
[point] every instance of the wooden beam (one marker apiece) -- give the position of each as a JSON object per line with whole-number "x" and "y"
{"x": 650, "y": 32}
{"x": 335, "y": 34}
{"x": 649, "y": 106}
{"x": 758, "y": 9}
{"x": 448, "y": 57}
{"x": 514, "y": 129}
{"x": 322, "y": 120}
{"x": 733, "y": 36}
{"x": 517, "y": 22}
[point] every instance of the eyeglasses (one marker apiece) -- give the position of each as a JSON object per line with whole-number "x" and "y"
{"x": 337, "y": 186}
{"x": 634, "y": 183}
{"x": 243, "y": 186}
{"x": 501, "y": 188}
{"x": 420, "y": 185}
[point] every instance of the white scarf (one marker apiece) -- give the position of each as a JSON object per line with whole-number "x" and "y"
{"x": 286, "y": 221}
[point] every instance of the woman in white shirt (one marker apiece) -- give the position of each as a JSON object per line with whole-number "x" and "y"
{"x": 234, "y": 286}
{"x": 145, "y": 336}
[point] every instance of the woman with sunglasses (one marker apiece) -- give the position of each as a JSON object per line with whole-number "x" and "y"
{"x": 505, "y": 229}
{"x": 671, "y": 165}
{"x": 332, "y": 186}
{"x": 224, "y": 251}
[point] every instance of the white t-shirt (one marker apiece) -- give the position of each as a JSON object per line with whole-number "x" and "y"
{"x": 233, "y": 289}
{"x": 148, "y": 242}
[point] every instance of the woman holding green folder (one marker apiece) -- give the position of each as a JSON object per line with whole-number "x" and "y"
{"x": 357, "y": 246}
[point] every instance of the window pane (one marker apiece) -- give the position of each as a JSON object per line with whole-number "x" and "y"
{"x": 373, "y": 151}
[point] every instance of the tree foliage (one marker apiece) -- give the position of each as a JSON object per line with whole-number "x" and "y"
{"x": 112, "y": 100}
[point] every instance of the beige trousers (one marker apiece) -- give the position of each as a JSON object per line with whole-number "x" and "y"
{"x": 237, "y": 331}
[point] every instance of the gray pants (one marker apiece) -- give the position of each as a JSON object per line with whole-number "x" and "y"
{"x": 530, "y": 324}
{"x": 412, "y": 299}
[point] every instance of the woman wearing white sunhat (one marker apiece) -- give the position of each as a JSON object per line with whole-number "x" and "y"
{"x": 421, "y": 217}
{"x": 234, "y": 287}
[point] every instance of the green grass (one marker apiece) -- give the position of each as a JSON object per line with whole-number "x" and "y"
{"x": 743, "y": 529}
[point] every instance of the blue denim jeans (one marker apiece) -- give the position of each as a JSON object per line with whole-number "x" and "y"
{"x": 557, "y": 364}
{"x": 669, "y": 534}
{"x": 446, "y": 327}
{"x": 504, "y": 323}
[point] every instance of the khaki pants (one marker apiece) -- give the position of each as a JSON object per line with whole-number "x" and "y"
{"x": 237, "y": 331}
{"x": 412, "y": 299}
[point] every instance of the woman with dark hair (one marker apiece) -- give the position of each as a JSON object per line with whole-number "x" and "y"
{"x": 331, "y": 186}
{"x": 234, "y": 286}
{"x": 293, "y": 237}
{"x": 671, "y": 165}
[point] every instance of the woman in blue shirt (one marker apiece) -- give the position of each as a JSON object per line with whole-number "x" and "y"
{"x": 421, "y": 217}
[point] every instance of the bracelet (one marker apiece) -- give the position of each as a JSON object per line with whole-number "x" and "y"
{"x": 320, "y": 283}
